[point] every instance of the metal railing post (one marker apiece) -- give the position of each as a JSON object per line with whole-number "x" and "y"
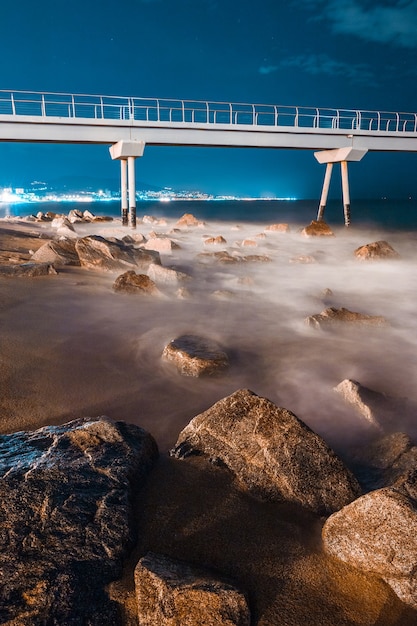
{"x": 13, "y": 104}
{"x": 43, "y": 106}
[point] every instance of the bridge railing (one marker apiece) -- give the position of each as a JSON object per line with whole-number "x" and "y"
{"x": 95, "y": 107}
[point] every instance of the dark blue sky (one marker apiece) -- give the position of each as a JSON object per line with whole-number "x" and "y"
{"x": 329, "y": 53}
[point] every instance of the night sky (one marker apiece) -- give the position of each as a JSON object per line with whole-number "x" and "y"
{"x": 329, "y": 53}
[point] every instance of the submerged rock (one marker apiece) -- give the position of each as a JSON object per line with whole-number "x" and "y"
{"x": 66, "y": 518}
{"x": 378, "y": 408}
{"x": 317, "y": 229}
{"x": 378, "y": 533}
{"x": 278, "y": 228}
{"x": 274, "y": 455}
{"x": 130, "y": 282}
{"x": 172, "y": 593}
{"x": 188, "y": 220}
{"x": 333, "y": 315}
{"x": 376, "y": 250}
{"x": 195, "y": 356}
{"x": 166, "y": 275}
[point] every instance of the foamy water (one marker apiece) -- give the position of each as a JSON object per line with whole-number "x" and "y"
{"x": 80, "y": 349}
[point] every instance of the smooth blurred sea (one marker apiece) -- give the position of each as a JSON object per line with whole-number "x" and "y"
{"x": 383, "y": 213}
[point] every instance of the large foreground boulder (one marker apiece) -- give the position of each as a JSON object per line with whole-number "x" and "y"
{"x": 66, "y": 518}
{"x": 96, "y": 252}
{"x": 274, "y": 455}
{"x": 378, "y": 533}
{"x": 173, "y": 593}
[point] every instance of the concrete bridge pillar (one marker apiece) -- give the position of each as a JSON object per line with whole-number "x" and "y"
{"x": 342, "y": 156}
{"x": 126, "y": 152}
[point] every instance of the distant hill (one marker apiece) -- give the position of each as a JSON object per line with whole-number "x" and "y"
{"x": 88, "y": 183}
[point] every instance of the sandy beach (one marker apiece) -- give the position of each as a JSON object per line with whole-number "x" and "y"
{"x": 72, "y": 347}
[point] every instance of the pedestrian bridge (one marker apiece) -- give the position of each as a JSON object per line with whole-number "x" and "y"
{"x": 128, "y": 124}
{"x": 77, "y": 118}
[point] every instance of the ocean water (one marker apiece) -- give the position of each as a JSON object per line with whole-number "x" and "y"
{"x": 78, "y": 349}
{"x": 386, "y": 213}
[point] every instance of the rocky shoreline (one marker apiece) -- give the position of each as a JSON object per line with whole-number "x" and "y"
{"x": 253, "y": 518}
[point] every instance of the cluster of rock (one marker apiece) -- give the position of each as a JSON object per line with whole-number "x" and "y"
{"x": 66, "y": 509}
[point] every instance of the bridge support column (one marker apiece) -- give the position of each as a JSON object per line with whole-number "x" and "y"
{"x": 132, "y": 190}
{"x": 345, "y": 192}
{"x": 127, "y": 152}
{"x": 342, "y": 156}
{"x": 123, "y": 188}
{"x": 325, "y": 191}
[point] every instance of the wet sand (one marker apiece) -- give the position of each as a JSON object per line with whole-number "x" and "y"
{"x": 71, "y": 347}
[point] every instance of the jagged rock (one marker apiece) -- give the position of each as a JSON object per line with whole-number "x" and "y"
{"x": 96, "y": 252}
{"x": 42, "y": 217}
{"x": 173, "y": 593}
{"x": 220, "y": 257}
{"x": 66, "y": 518}
{"x": 27, "y": 270}
{"x": 274, "y": 455}
{"x": 188, "y": 220}
{"x": 378, "y": 533}
{"x": 317, "y": 229}
{"x": 248, "y": 243}
{"x": 333, "y": 315}
{"x": 278, "y": 228}
{"x": 378, "y": 408}
{"x": 196, "y": 356}
{"x": 385, "y": 461}
{"x": 215, "y": 240}
{"x": 75, "y": 215}
{"x": 60, "y": 252}
{"x": 376, "y": 250}
{"x": 102, "y": 218}
{"x": 165, "y": 275}
{"x": 88, "y": 215}
{"x": 164, "y": 245}
{"x": 130, "y": 282}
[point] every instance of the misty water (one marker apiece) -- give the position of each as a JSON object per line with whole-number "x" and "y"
{"x": 80, "y": 349}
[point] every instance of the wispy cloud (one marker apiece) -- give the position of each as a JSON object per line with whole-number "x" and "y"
{"x": 316, "y": 64}
{"x": 392, "y": 22}
{"x": 268, "y": 69}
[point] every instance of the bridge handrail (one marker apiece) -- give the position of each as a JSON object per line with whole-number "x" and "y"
{"x": 92, "y": 106}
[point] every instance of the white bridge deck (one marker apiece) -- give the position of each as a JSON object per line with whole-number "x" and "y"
{"x": 71, "y": 118}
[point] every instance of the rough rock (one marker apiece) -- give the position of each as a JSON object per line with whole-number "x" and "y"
{"x": 332, "y": 315}
{"x": 274, "y": 455}
{"x": 173, "y": 593}
{"x": 215, "y": 240}
{"x": 165, "y": 275}
{"x": 188, "y": 220}
{"x": 60, "y": 252}
{"x": 196, "y": 356}
{"x": 66, "y": 518}
{"x": 75, "y": 215}
{"x": 278, "y": 228}
{"x": 27, "y": 270}
{"x": 164, "y": 245}
{"x": 317, "y": 229}
{"x": 384, "y": 461}
{"x": 376, "y": 250}
{"x": 378, "y": 408}
{"x": 378, "y": 533}
{"x": 248, "y": 243}
{"x": 96, "y": 252}
{"x": 130, "y": 282}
